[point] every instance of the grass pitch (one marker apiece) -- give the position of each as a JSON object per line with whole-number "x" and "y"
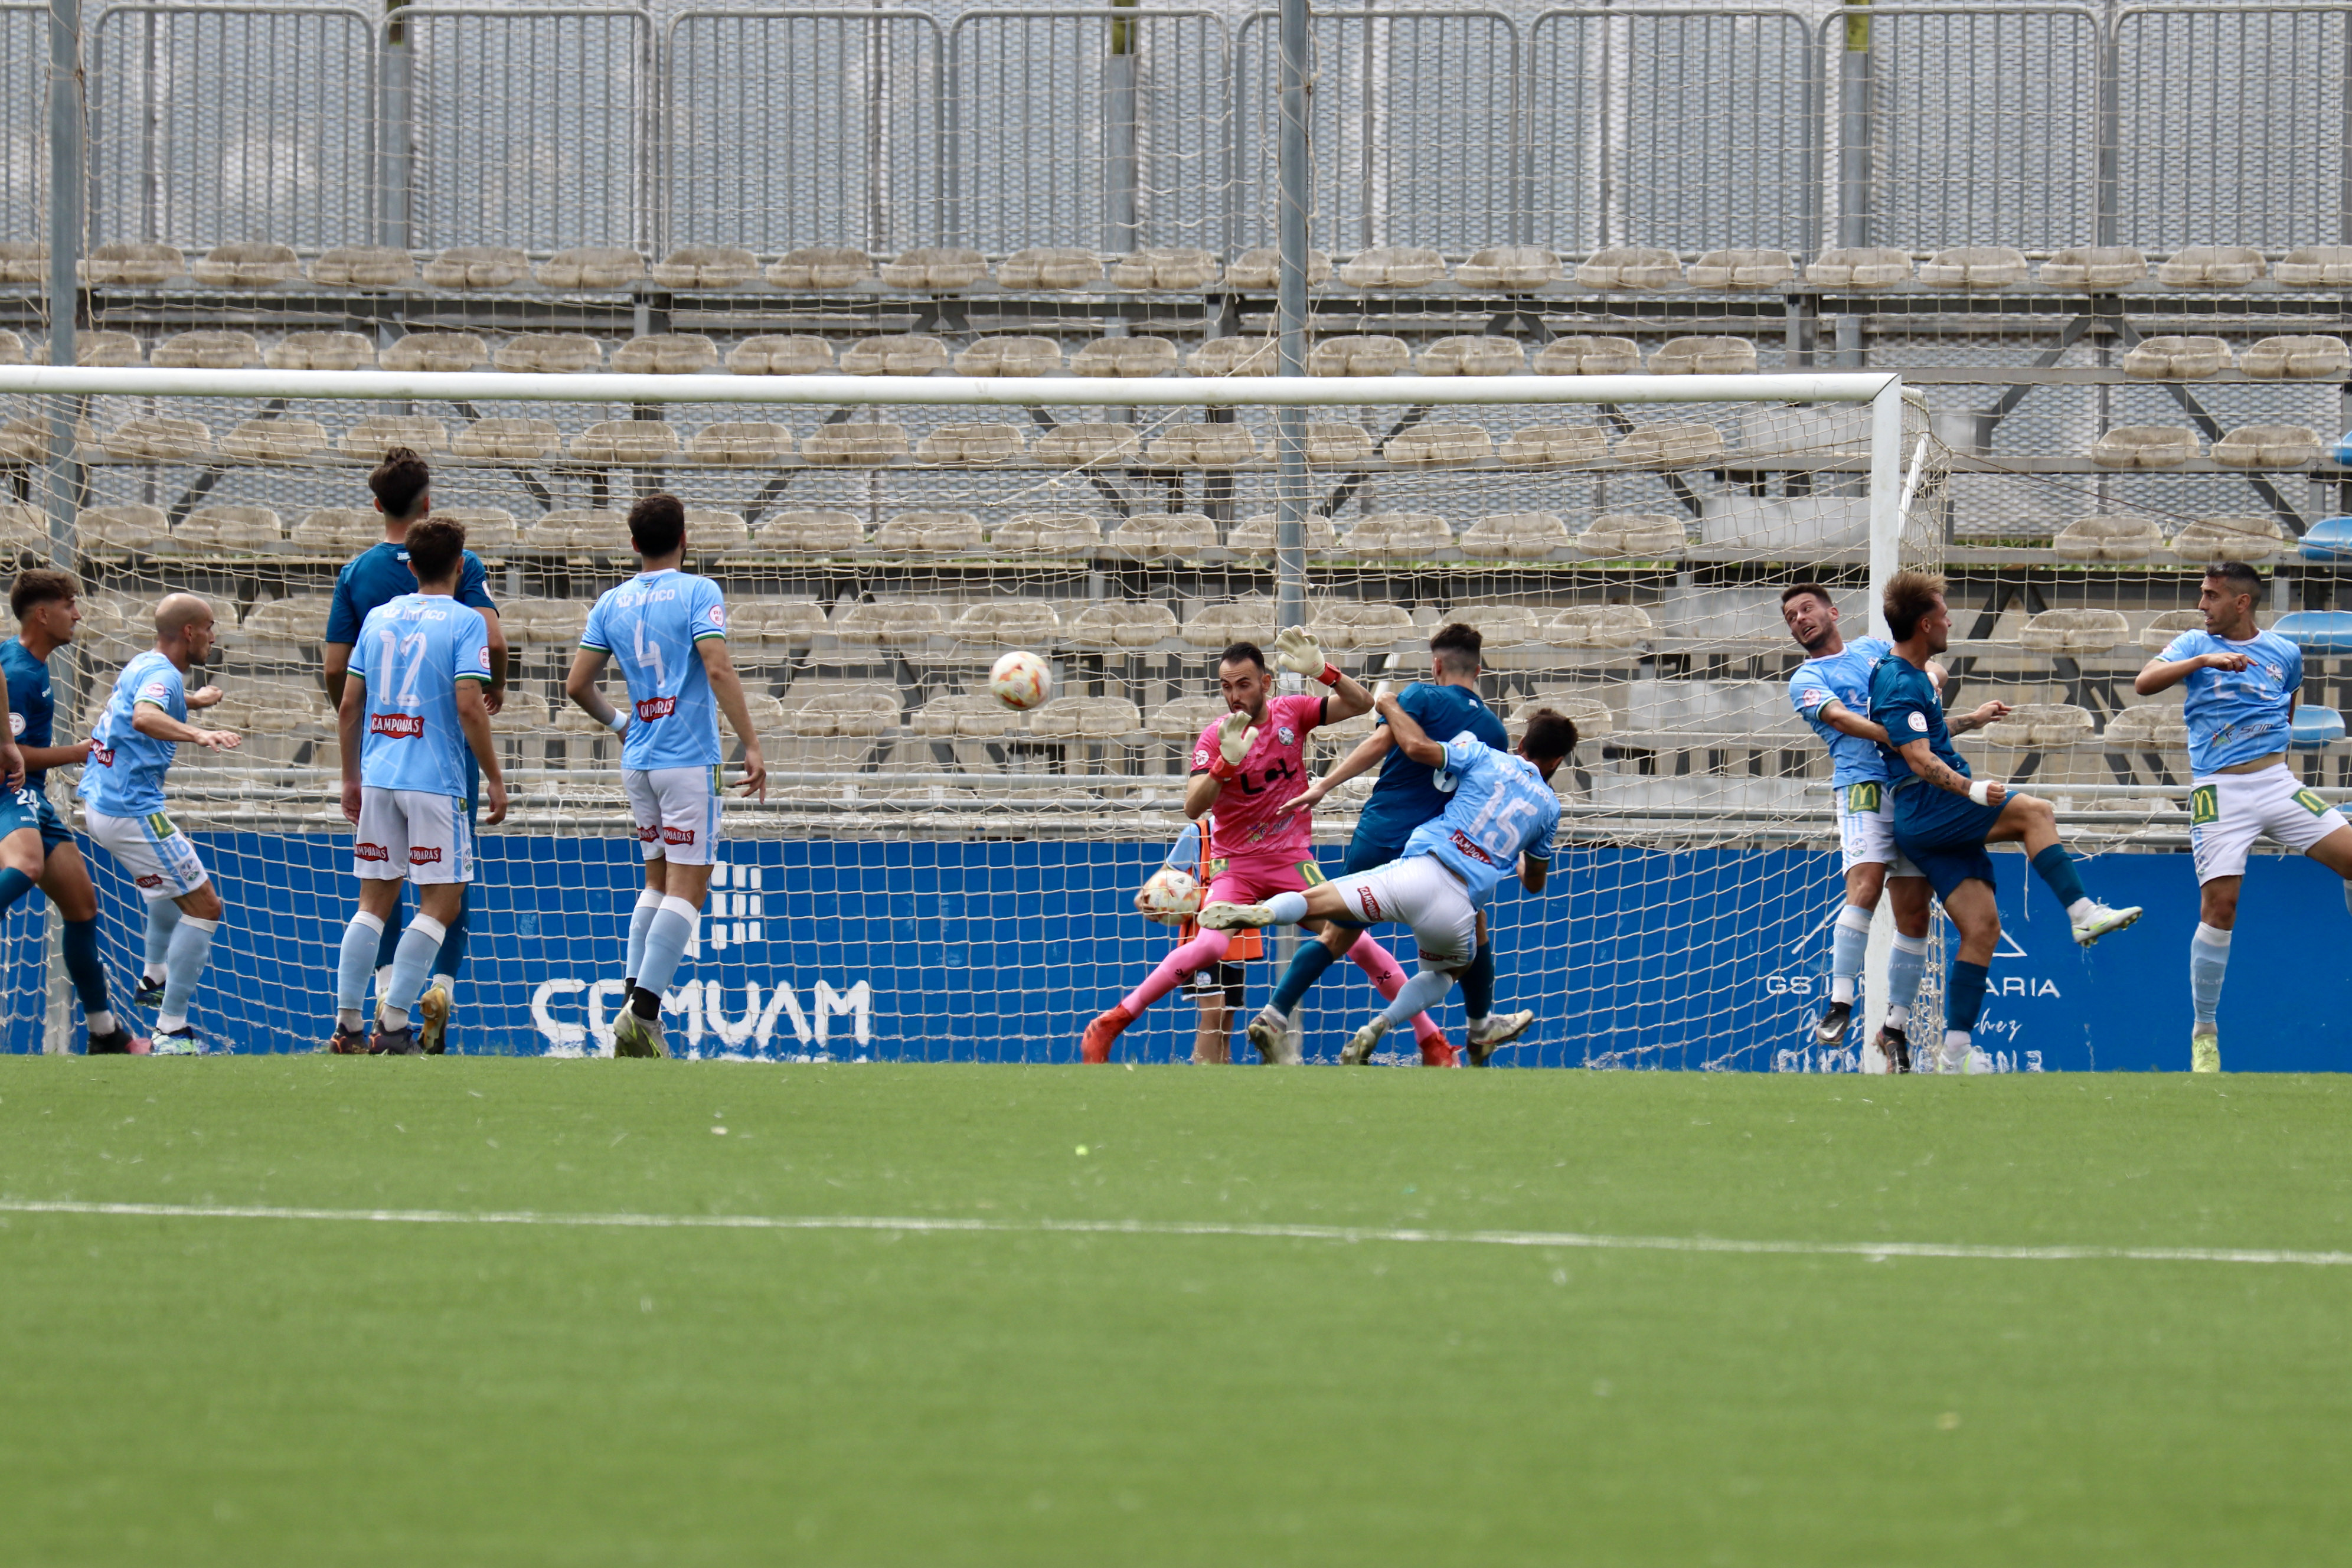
{"x": 197, "y": 1389}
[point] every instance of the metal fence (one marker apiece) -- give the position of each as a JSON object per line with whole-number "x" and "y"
{"x": 1685, "y": 126}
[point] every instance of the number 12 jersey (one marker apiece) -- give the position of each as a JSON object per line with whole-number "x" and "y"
{"x": 412, "y": 652}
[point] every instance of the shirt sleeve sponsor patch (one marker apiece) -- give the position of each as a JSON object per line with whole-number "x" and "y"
{"x": 1813, "y": 696}
{"x": 1919, "y": 722}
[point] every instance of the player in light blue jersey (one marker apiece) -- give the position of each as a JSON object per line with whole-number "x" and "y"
{"x": 144, "y": 725}
{"x": 2242, "y": 682}
{"x": 1831, "y": 692}
{"x": 1500, "y": 819}
{"x": 414, "y": 707}
{"x": 667, "y": 629}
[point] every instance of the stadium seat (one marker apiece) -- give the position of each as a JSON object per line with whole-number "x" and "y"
{"x": 2211, "y": 267}
{"x": 121, "y": 264}
{"x": 2158, "y": 635}
{"x": 1255, "y": 535}
{"x": 23, "y": 529}
{"x": 2327, "y": 632}
{"x": 2038, "y": 724}
{"x": 1589, "y": 356}
{"x": 1591, "y": 715}
{"x": 2315, "y": 266}
{"x": 1630, "y": 267}
{"x": 625, "y": 441}
{"x": 820, "y": 266}
{"x": 2093, "y": 267}
{"x": 741, "y": 444}
{"x": 1007, "y": 623}
{"x": 2329, "y": 539}
{"x": 1515, "y": 536}
{"x": 814, "y": 533}
{"x": 106, "y": 350}
{"x": 477, "y": 267}
{"x": 2314, "y": 728}
{"x": 591, "y": 267}
{"x": 901, "y": 623}
{"x": 666, "y": 354}
{"x": 1049, "y": 267}
{"x": 1182, "y": 719}
{"x": 1086, "y": 719}
{"x": 1397, "y": 536}
{"x": 1500, "y": 626}
{"x": 1216, "y": 626}
{"x": 24, "y": 261}
{"x": 250, "y": 265}
{"x": 2075, "y": 631}
{"x": 1358, "y": 353}
{"x": 2297, "y": 358}
{"x": 206, "y": 351}
{"x": 12, "y": 349}
{"x": 854, "y": 444}
{"x": 1201, "y": 447}
{"x": 489, "y": 530}
{"x": 544, "y": 623}
{"x": 1151, "y": 535}
{"x": 294, "y": 626}
{"x": 1471, "y": 356}
{"x": 904, "y": 353}
{"x": 712, "y": 531}
{"x": 363, "y": 267}
{"x": 1704, "y": 356}
{"x": 1331, "y": 444}
{"x": 935, "y": 267}
{"x": 1048, "y": 533}
{"x": 1742, "y": 269}
{"x": 1974, "y": 267}
{"x": 1111, "y": 625}
{"x": 21, "y": 441}
{"x": 834, "y": 724}
{"x": 1553, "y": 446}
{"x": 321, "y": 351}
{"x": 130, "y": 529}
{"x": 1393, "y": 267}
{"x": 1670, "y": 445}
{"x": 1077, "y": 445}
{"x": 973, "y": 444}
{"x": 1622, "y": 535}
{"x": 515, "y": 440}
{"x": 1349, "y": 625}
{"x": 2145, "y": 446}
{"x": 1511, "y": 268}
{"x": 338, "y": 530}
{"x": 550, "y": 353}
{"x": 781, "y": 356}
{"x": 2248, "y": 537}
{"x": 1177, "y": 268}
{"x": 2148, "y": 727}
{"x": 2108, "y": 536}
{"x": 1860, "y": 267}
{"x": 274, "y": 441}
{"x": 930, "y": 533}
{"x": 437, "y": 352}
{"x": 1234, "y": 356}
{"x": 229, "y": 531}
{"x": 1262, "y": 267}
{"x": 968, "y": 714}
{"x": 2177, "y": 359}
{"x": 705, "y": 267}
{"x": 2268, "y": 446}
{"x": 158, "y": 439}
{"x": 1010, "y": 356}
{"x": 577, "y": 531}
{"x": 1126, "y": 356}
{"x": 1438, "y": 447}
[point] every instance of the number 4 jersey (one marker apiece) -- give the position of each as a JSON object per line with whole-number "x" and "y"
{"x": 650, "y": 626}
{"x": 412, "y": 653}
{"x": 1502, "y": 808}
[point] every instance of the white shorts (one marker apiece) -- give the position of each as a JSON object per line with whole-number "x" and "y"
{"x": 2227, "y": 812}
{"x": 152, "y": 852}
{"x": 676, "y": 811}
{"x": 1422, "y": 893}
{"x": 1865, "y": 823}
{"x": 412, "y": 833}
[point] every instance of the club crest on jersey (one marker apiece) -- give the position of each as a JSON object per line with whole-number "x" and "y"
{"x": 1919, "y": 722}
{"x": 1469, "y": 846}
{"x": 1285, "y": 734}
{"x": 418, "y": 855}
{"x": 397, "y": 726}
{"x": 678, "y": 835}
{"x": 370, "y": 852}
{"x": 1815, "y": 697}
{"x": 654, "y": 708}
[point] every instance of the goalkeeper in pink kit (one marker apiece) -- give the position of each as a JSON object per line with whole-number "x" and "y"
{"x": 1247, "y": 766}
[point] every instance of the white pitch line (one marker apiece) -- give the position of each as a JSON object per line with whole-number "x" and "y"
{"x": 1873, "y": 1250}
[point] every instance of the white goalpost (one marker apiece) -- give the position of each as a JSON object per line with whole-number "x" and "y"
{"x": 934, "y": 876}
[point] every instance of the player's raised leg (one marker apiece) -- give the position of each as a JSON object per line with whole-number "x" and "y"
{"x": 2033, "y": 820}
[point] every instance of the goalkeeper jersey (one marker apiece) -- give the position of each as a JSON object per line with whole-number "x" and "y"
{"x": 1250, "y": 822}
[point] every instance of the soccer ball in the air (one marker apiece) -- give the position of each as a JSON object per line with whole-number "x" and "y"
{"x": 1021, "y": 681}
{"x": 1170, "y": 897}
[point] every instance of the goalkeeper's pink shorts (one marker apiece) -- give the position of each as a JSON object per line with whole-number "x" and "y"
{"x": 1253, "y": 878}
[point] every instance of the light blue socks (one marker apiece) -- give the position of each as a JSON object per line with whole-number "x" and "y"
{"x": 356, "y": 962}
{"x": 2209, "y": 960}
{"x": 1288, "y": 910}
{"x": 1418, "y": 995}
{"x": 667, "y": 937}
{"x": 163, "y": 919}
{"x": 641, "y": 921}
{"x": 1906, "y": 966}
{"x": 1848, "y": 943}
{"x": 411, "y": 962}
{"x": 190, "y": 949}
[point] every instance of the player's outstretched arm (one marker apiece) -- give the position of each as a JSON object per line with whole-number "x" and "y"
{"x": 351, "y": 711}
{"x": 1927, "y": 765}
{"x": 727, "y": 687}
{"x": 1411, "y": 738}
{"x": 580, "y": 682}
{"x": 1300, "y": 654}
{"x": 150, "y": 719}
{"x": 1977, "y": 718}
{"x": 1846, "y": 721}
{"x": 1532, "y": 873}
{"x": 1369, "y": 752}
{"x": 2161, "y": 674}
{"x": 474, "y": 718}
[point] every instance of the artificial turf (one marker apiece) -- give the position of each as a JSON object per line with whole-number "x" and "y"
{"x": 177, "y": 1390}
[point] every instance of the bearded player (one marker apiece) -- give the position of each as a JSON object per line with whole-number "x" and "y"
{"x": 1247, "y": 768}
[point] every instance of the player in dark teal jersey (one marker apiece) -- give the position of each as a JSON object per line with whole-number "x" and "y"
{"x": 402, "y": 487}
{"x": 46, "y": 603}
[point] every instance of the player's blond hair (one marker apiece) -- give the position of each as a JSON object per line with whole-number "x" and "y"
{"x": 1909, "y": 596}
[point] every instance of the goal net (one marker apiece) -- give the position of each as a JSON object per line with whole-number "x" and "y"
{"x": 933, "y": 876}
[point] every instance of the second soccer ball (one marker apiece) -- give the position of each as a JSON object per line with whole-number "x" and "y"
{"x": 1021, "y": 681}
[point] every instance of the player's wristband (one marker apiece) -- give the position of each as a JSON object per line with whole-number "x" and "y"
{"x": 1330, "y": 676}
{"x": 1980, "y": 791}
{"x": 1221, "y": 770}
{"x": 618, "y": 722}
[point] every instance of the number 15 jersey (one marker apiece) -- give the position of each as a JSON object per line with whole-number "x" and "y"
{"x": 651, "y": 626}
{"x": 412, "y": 652}
{"x": 1502, "y": 807}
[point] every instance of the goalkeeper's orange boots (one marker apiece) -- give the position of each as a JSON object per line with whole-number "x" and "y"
{"x": 1093, "y": 1046}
